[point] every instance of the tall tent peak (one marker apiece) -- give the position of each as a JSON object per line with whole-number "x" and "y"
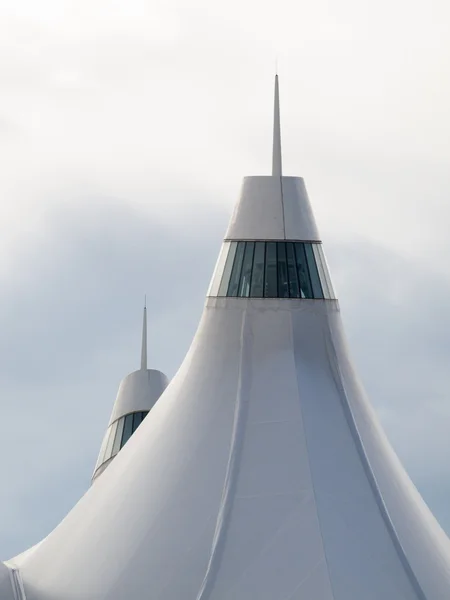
{"x": 144, "y": 338}
{"x": 276, "y": 154}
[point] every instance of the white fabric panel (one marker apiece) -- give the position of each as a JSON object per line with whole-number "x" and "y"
{"x": 298, "y": 216}
{"x": 348, "y": 511}
{"x": 270, "y": 208}
{"x": 316, "y": 585}
{"x": 283, "y": 564}
{"x": 273, "y": 511}
{"x": 249, "y": 480}
{"x": 425, "y": 545}
{"x": 258, "y": 214}
{"x": 273, "y": 208}
{"x": 135, "y": 527}
{"x": 138, "y": 391}
{"x": 17, "y": 560}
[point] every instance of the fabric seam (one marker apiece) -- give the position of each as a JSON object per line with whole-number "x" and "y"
{"x": 348, "y": 413}
{"x": 231, "y": 474}
{"x": 309, "y": 466}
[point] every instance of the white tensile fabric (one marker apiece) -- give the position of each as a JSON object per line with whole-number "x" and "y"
{"x": 273, "y": 208}
{"x": 260, "y": 474}
{"x": 141, "y": 389}
{"x": 138, "y": 391}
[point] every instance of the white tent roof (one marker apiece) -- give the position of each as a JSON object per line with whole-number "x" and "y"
{"x": 138, "y": 393}
{"x": 262, "y": 472}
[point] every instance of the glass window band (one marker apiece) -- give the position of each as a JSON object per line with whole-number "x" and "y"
{"x": 259, "y": 269}
{"x": 118, "y": 434}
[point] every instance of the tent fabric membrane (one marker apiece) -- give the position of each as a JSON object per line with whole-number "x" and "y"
{"x": 261, "y": 472}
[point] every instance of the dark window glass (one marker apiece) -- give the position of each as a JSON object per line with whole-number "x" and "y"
{"x": 302, "y": 271}
{"x": 110, "y": 443}
{"x": 127, "y": 429}
{"x": 227, "y": 270}
{"x": 257, "y": 286}
{"x": 294, "y": 290}
{"x": 244, "y": 284}
{"x": 315, "y": 280}
{"x": 236, "y": 271}
{"x": 144, "y": 414}
{"x": 118, "y": 438}
{"x": 274, "y": 270}
{"x": 270, "y": 283}
{"x": 137, "y": 420}
{"x": 283, "y": 288}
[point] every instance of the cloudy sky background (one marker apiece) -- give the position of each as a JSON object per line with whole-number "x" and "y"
{"x": 125, "y": 128}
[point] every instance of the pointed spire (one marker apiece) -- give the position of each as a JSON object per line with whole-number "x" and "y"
{"x": 276, "y": 156}
{"x": 144, "y": 338}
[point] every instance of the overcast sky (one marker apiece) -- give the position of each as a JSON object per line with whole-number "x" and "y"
{"x": 125, "y": 128}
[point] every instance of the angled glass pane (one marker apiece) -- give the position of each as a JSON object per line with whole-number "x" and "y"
{"x": 320, "y": 269}
{"x": 227, "y": 270}
{"x": 257, "y": 284}
{"x": 283, "y": 286}
{"x": 313, "y": 272}
{"x": 321, "y": 260}
{"x": 235, "y": 277}
{"x": 127, "y": 429}
{"x": 102, "y": 449}
{"x": 144, "y": 414}
{"x": 137, "y": 420}
{"x": 302, "y": 271}
{"x": 294, "y": 290}
{"x": 118, "y": 437}
{"x": 246, "y": 275}
{"x": 270, "y": 280}
{"x": 109, "y": 445}
{"x": 218, "y": 271}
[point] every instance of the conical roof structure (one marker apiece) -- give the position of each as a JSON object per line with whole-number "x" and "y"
{"x": 138, "y": 393}
{"x": 262, "y": 472}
